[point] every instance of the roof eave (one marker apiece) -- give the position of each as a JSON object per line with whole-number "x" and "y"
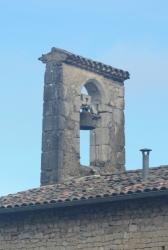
{"x": 89, "y": 201}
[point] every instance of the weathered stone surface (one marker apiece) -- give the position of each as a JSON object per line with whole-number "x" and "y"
{"x": 61, "y": 112}
{"x": 100, "y": 136}
{"x": 53, "y": 73}
{"x": 50, "y": 92}
{"x": 50, "y": 108}
{"x": 129, "y": 225}
{"x": 50, "y": 123}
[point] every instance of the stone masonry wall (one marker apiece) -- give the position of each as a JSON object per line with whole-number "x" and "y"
{"x": 61, "y": 122}
{"x": 59, "y": 159}
{"x": 107, "y": 141}
{"x": 125, "y": 225}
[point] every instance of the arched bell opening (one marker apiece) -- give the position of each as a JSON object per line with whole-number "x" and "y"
{"x": 84, "y": 139}
{"x": 89, "y": 118}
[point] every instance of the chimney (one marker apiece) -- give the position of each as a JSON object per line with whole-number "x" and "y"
{"x": 145, "y": 162}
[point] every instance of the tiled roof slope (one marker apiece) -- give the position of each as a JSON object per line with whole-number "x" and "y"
{"x": 90, "y": 187}
{"x": 101, "y": 68}
{"x": 85, "y": 63}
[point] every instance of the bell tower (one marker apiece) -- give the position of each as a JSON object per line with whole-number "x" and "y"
{"x": 66, "y": 111}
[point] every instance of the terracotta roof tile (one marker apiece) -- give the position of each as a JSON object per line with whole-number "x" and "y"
{"x": 87, "y": 64}
{"x": 89, "y": 187}
{"x": 103, "y": 69}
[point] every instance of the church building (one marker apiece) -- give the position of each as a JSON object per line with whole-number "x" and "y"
{"x": 97, "y": 207}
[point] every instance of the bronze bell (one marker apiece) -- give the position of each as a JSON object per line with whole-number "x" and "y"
{"x": 87, "y": 121}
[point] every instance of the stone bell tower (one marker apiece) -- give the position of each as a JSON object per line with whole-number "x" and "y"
{"x": 66, "y": 111}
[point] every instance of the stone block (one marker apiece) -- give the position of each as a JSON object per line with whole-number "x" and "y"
{"x": 53, "y": 123}
{"x": 106, "y": 119}
{"x": 53, "y": 73}
{"x": 119, "y": 135}
{"x": 51, "y": 140}
{"x": 121, "y": 157}
{"x": 118, "y": 117}
{"x": 49, "y": 160}
{"x": 100, "y": 136}
{"x": 51, "y": 108}
{"x": 50, "y": 92}
{"x": 50, "y": 123}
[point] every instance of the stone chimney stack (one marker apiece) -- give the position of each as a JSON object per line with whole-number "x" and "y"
{"x": 65, "y": 75}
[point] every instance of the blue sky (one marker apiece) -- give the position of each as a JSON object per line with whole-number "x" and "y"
{"x": 131, "y": 35}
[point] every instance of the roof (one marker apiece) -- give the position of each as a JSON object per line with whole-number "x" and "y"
{"x": 85, "y": 63}
{"x": 97, "y": 188}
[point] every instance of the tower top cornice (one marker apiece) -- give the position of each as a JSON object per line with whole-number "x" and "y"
{"x": 64, "y": 56}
